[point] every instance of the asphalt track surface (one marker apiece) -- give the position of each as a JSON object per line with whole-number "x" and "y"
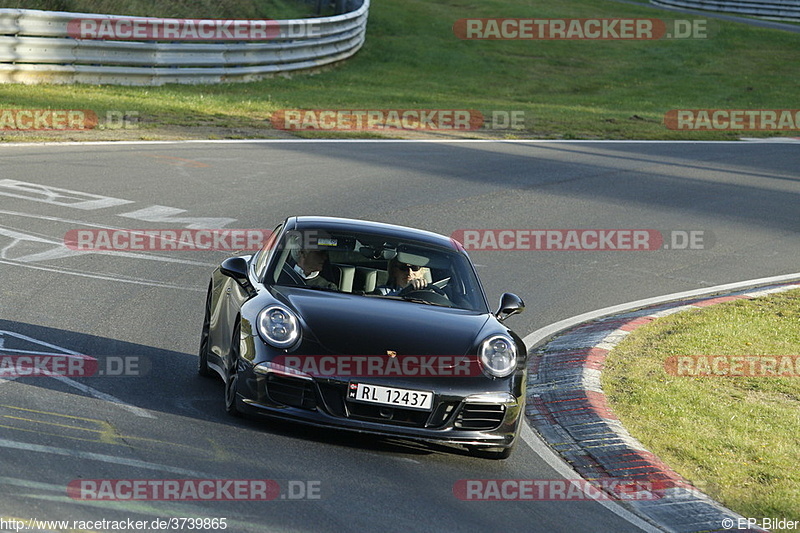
{"x": 170, "y": 423}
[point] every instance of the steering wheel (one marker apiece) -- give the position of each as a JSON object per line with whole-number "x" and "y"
{"x": 430, "y": 287}
{"x": 431, "y": 293}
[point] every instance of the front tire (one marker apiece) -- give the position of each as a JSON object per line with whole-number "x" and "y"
{"x": 202, "y": 365}
{"x": 232, "y": 376}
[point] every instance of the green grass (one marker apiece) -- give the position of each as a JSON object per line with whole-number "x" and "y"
{"x": 736, "y": 437}
{"x": 567, "y": 89}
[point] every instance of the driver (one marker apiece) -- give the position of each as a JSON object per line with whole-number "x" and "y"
{"x": 402, "y": 275}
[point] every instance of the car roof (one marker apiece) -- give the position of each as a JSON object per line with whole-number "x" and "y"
{"x": 368, "y": 226}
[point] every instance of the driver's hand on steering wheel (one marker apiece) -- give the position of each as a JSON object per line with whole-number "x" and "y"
{"x": 416, "y": 284}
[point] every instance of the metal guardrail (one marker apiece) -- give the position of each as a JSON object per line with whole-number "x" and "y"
{"x": 774, "y": 9}
{"x": 40, "y": 47}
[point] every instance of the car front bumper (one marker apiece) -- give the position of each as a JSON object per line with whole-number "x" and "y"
{"x": 459, "y": 414}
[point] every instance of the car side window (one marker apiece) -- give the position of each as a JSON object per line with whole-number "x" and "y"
{"x": 265, "y": 252}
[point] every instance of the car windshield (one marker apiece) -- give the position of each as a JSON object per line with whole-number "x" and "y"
{"x": 375, "y": 265}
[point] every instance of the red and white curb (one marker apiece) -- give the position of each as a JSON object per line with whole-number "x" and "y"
{"x": 567, "y": 407}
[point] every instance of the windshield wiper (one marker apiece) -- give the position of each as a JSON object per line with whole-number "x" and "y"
{"x": 421, "y": 301}
{"x": 318, "y": 288}
{"x": 312, "y": 287}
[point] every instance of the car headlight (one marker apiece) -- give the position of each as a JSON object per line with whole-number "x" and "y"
{"x": 498, "y": 355}
{"x": 278, "y": 326}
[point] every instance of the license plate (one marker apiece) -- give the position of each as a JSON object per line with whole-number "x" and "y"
{"x": 410, "y": 399}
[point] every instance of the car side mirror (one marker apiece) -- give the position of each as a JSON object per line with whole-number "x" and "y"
{"x": 235, "y": 267}
{"x": 510, "y": 304}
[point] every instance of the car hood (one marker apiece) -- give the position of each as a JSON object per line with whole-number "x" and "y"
{"x": 363, "y": 325}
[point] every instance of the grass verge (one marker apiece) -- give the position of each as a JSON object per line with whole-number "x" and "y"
{"x": 412, "y": 59}
{"x": 736, "y": 437}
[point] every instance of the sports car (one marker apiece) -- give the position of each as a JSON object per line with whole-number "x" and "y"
{"x": 324, "y": 326}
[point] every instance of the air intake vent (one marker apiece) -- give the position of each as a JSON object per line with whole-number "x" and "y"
{"x": 480, "y": 416}
{"x": 291, "y": 391}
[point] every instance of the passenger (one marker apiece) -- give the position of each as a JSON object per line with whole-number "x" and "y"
{"x": 307, "y": 269}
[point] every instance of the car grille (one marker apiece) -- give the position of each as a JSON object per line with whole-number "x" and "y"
{"x": 388, "y": 415}
{"x": 291, "y": 391}
{"x": 480, "y": 416}
{"x": 400, "y": 416}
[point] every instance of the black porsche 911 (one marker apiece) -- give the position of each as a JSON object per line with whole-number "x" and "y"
{"x": 367, "y": 327}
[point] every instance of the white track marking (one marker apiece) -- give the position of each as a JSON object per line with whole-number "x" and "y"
{"x": 138, "y": 411}
{"x": 364, "y": 141}
{"x": 59, "y": 349}
{"x": 161, "y": 213}
{"x": 88, "y": 202}
{"x": 134, "y": 255}
{"x": 60, "y": 251}
{"x": 148, "y": 283}
{"x": 91, "y": 456}
{"x": 57, "y": 196}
